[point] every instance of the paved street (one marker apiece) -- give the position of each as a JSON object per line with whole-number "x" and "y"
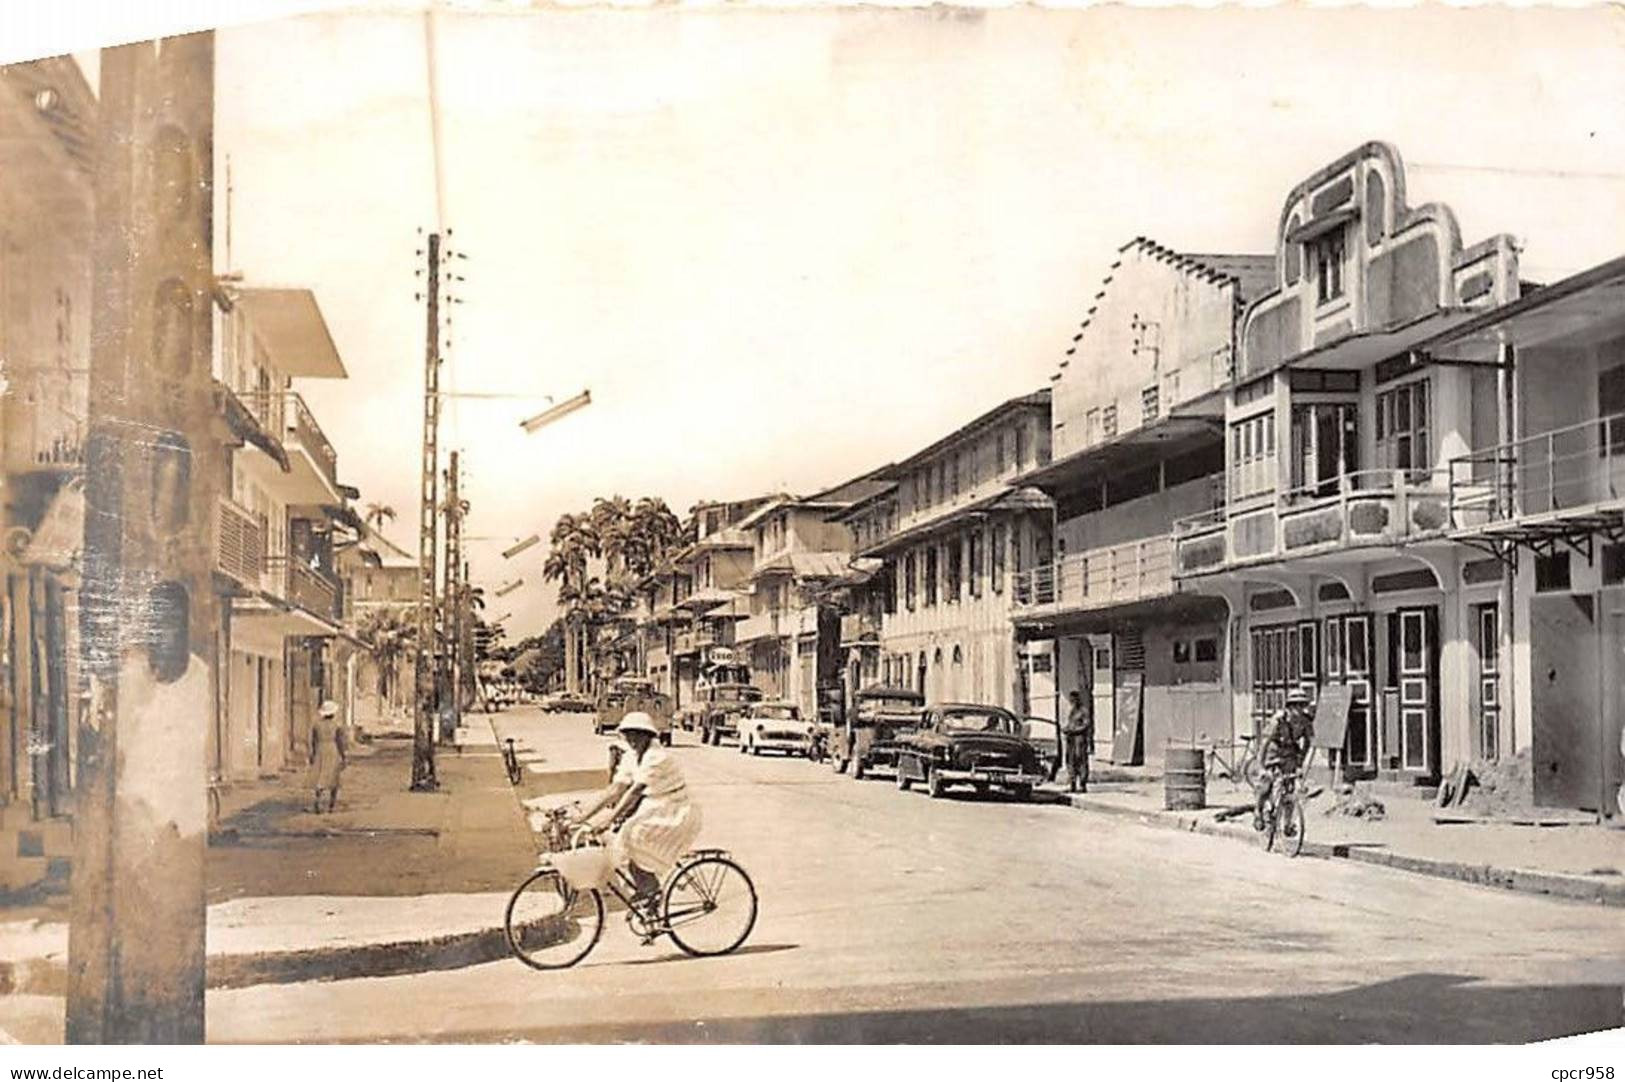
{"x": 888, "y": 916}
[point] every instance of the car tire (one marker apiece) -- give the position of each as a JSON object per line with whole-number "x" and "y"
{"x": 903, "y": 780}
{"x": 1023, "y": 793}
{"x": 934, "y": 786}
{"x": 838, "y": 765}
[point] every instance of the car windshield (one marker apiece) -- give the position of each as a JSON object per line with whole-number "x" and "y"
{"x": 977, "y": 721}
{"x": 898, "y": 705}
{"x": 778, "y": 713}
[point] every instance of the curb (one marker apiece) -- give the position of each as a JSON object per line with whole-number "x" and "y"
{"x": 49, "y": 976}
{"x": 1552, "y": 884}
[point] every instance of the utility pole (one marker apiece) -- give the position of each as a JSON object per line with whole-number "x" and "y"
{"x": 452, "y": 614}
{"x": 424, "y": 720}
{"x": 152, "y": 477}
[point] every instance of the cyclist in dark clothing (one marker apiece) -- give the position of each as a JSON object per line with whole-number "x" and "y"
{"x": 1286, "y": 747}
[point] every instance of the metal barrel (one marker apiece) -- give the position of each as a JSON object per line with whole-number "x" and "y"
{"x": 1184, "y": 779}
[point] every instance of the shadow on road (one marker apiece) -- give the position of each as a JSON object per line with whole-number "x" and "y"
{"x": 1424, "y": 1008}
{"x": 758, "y": 948}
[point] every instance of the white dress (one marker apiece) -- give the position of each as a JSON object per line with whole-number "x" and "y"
{"x": 666, "y": 823}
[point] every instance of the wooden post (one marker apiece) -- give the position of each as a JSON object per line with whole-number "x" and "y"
{"x": 136, "y": 932}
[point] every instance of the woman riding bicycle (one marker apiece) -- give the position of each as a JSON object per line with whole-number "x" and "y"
{"x": 654, "y": 821}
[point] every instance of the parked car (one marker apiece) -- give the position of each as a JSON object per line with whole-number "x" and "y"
{"x": 723, "y": 705}
{"x": 775, "y": 726}
{"x": 1045, "y": 737}
{"x": 563, "y": 702}
{"x": 879, "y": 717}
{"x": 625, "y": 694}
{"x": 967, "y": 743}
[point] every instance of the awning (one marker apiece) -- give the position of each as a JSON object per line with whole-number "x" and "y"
{"x": 1166, "y": 438}
{"x": 1359, "y": 351}
{"x": 1589, "y": 303}
{"x": 1319, "y": 227}
{"x": 290, "y": 323}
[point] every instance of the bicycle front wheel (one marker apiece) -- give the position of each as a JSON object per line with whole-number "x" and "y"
{"x": 1293, "y": 826}
{"x": 551, "y": 925}
{"x": 710, "y": 906}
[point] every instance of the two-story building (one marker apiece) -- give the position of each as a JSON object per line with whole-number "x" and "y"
{"x": 1332, "y": 548}
{"x": 1137, "y": 432}
{"x": 282, "y": 599}
{"x": 1542, "y": 507}
{"x": 47, "y": 217}
{"x": 949, "y": 531}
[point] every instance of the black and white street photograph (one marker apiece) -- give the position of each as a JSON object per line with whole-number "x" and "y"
{"x": 814, "y": 524}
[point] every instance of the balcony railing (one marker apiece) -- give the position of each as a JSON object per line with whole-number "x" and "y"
{"x": 1097, "y": 578}
{"x": 305, "y": 587}
{"x": 284, "y": 414}
{"x": 1565, "y": 469}
{"x": 239, "y": 543}
{"x": 1369, "y": 507}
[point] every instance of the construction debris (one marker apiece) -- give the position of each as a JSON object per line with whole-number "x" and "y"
{"x": 1356, "y": 803}
{"x": 1503, "y": 789}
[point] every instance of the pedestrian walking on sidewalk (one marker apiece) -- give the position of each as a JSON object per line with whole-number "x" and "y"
{"x": 1079, "y": 734}
{"x": 329, "y": 751}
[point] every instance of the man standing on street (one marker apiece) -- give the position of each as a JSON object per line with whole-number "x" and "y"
{"x": 1079, "y": 734}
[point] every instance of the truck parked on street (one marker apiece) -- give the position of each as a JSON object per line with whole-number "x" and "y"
{"x": 879, "y": 718}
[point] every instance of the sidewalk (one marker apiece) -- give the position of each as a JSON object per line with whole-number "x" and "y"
{"x": 391, "y": 882}
{"x": 1584, "y": 861}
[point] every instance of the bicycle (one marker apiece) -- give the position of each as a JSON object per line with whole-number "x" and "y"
{"x": 1244, "y": 768}
{"x": 510, "y": 762}
{"x": 556, "y": 916}
{"x": 1284, "y": 818}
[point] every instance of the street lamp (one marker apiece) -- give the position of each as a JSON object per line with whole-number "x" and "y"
{"x": 554, "y": 413}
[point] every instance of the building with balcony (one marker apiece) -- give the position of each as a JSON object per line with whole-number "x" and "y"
{"x": 1137, "y": 428}
{"x": 47, "y": 214}
{"x": 946, "y": 529}
{"x": 277, "y": 563}
{"x": 1332, "y": 547}
{"x": 718, "y": 566}
{"x": 1541, "y": 509}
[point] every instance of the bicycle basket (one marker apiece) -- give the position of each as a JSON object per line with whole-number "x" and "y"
{"x": 584, "y": 869}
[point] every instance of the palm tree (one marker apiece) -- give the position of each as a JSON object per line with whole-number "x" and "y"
{"x": 390, "y": 635}
{"x": 378, "y": 514}
{"x": 573, "y": 543}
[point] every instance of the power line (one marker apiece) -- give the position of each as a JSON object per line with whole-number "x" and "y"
{"x": 1506, "y": 170}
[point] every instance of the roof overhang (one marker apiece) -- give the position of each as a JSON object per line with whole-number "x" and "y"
{"x": 1009, "y": 500}
{"x": 1365, "y": 349}
{"x": 1169, "y": 436}
{"x": 1590, "y": 304}
{"x": 290, "y": 323}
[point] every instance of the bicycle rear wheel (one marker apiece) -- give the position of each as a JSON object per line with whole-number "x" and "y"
{"x": 710, "y": 906}
{"x": 549, "y": 924}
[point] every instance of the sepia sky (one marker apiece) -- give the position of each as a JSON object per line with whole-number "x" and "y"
{"x": 785, "y": 247}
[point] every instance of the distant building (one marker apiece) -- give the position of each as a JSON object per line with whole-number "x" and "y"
{"x": 948, "y": 531}
{"x": 1137, "y": 426}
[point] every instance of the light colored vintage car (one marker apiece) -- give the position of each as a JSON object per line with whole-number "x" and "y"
{"x": 775, "y": 726}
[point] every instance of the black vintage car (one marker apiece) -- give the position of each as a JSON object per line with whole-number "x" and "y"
{"x": 969, "y": 744}
{"x": 721, "y": 706}
{"x": 880, "y": 716}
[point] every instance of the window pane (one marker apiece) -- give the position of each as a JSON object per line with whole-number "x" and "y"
{"x": 1357, "y": 646}
{"x": 1411, "y": 629}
